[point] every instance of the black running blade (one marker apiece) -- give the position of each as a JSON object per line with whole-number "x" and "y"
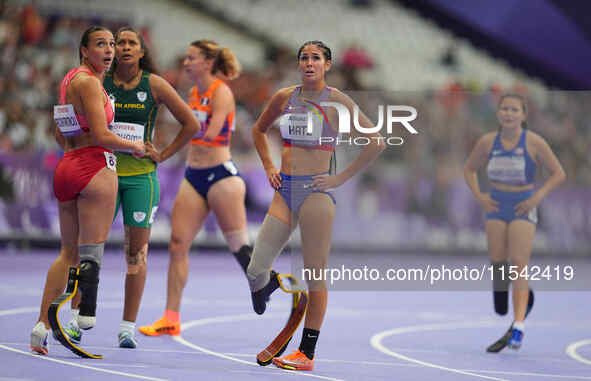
{"x": 53, "y": 316}
{"x": 500, "y": 344}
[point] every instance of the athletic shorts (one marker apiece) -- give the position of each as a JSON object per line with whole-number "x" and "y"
{"x": 75, "y": 170}
{"x": 507, "y": 202}
{"x": 296, "y": 189}
{"x": 138, "y": 197}
{"x": 203, "y": 179}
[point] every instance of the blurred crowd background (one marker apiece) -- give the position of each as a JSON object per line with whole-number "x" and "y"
{"x": 414, "y": 197}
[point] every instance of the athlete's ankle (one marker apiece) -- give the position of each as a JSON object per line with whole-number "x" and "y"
{"x": 172, "y": 316}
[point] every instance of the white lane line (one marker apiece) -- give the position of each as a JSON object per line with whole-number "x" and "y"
{"x": 233, "y": 319}
{"x": 342, "y": 361}
{"x": 21, "y": 310}
{"x": 571, "y": 350}
{"x": 376, "y": 342}
{"x": 82, "y": 366}
{"x": 528, "y": 374}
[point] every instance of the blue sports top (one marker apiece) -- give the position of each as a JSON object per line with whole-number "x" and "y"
{"x": 294, "y": 123}
{"x": 511, "y": 167}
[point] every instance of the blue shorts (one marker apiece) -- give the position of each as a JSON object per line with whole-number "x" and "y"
{"x": 203, "y": 179}
{"x": 296, "y": 189}
{"x": 507, "y": 202}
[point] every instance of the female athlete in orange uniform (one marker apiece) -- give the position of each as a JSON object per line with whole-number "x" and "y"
{"x": 211, "y": 182}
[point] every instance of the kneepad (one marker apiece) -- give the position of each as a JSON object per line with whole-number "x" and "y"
{"x": 88, "y": 280}
{"x": 501, "y": 287}
{"x": 243, "y": 256}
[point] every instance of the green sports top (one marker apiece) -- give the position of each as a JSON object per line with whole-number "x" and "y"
{"x": 135, "y": 113}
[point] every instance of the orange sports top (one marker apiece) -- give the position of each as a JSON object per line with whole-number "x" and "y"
{"x": 201, "y": 106}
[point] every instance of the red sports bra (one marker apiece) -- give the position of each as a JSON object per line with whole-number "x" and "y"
{"x": 82, "y": 121}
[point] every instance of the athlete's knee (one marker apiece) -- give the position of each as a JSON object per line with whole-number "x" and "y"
{"x": 178, "y": 248}
{"x": 519, "y": 262}
{"x": 239, "y": 245}
{"x": 136, "y": 258}
{"x": 69, "y": 254}
{"x": 236, "y": 239}
{"x": 315, "y": 277}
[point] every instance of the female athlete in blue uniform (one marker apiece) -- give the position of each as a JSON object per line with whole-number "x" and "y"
{"x": 513, "y": 153}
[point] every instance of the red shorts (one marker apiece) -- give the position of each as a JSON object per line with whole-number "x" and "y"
{"x": 77, "y": 168}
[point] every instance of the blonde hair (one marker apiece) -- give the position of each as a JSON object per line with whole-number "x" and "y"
{"x": 224, "y": 62}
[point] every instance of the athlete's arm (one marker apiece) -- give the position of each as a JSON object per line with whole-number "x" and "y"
{"x": 544, "y": 156}
{"x": 91, "y": 95}
{"x": 222, "y": 104}
{"x": 59, "y": 138}
{"x": 369, "y": 153}
{"x": 260, "y": 129}
{"x": 478, "y": 157}
{"x": 164, "y": 93}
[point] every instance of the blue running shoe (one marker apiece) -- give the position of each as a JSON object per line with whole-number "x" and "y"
{"x": 516, "y": 339}
{"x": 73, "y": 331}
{"x": 127, "y": 340}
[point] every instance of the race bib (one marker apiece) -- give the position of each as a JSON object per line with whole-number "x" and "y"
{"x": 129, "y": 131}
{"x": 301, "y": 127}
{"x": 201, "y": 115}
{"x": 202, "y": 118}
{"x": 111, "y": 161}
{"x": 507, "y": 169}
{"x": 65, "y": 118}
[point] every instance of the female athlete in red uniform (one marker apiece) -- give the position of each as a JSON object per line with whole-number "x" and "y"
{"x": 85, "y": 181}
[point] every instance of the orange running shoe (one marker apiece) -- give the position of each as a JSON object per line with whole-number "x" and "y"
{"x": 162, "y": 326}
{"x": 295, "y": 361}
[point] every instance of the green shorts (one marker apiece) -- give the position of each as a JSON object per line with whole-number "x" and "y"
{"x": 139, "y": 196}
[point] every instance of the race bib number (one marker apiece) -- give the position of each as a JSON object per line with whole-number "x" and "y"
{"x": 111, "y": 161}
{"x": 510, "y": 170}
{"x": 201, "y": 115}
{"x": 65, "y": 118}
{"x": 202, "y": 118}
{"x": 301, "y": 127}
{"x": 129, "y": 131}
